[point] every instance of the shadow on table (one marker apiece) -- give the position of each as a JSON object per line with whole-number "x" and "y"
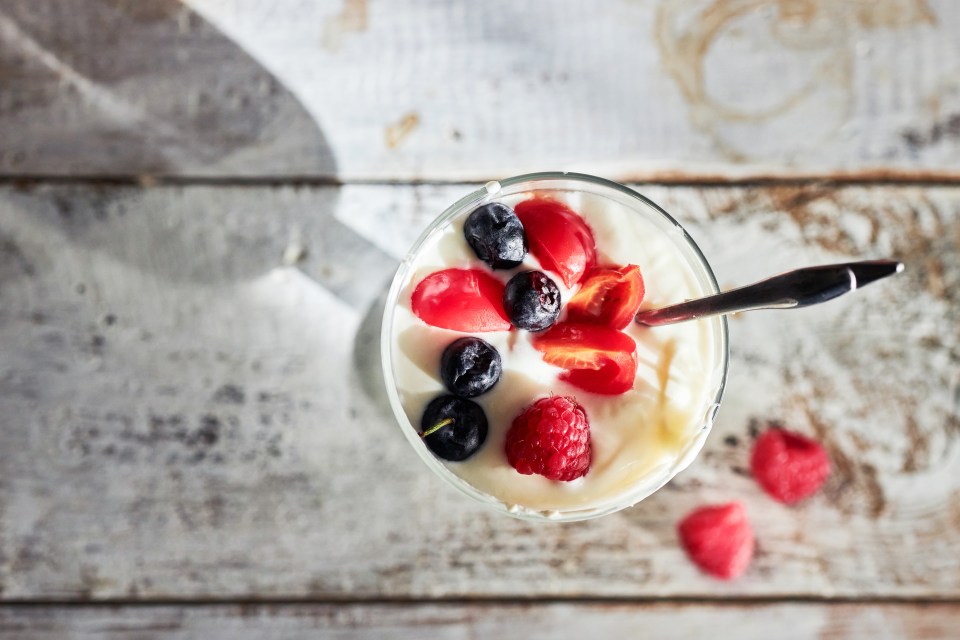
{"x": 366, "y": 356}
{"x": 148, "y": 87}
{"x": 133, "y": 87}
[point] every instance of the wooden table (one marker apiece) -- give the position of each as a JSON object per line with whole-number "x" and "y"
{"x": 202, "y": 203}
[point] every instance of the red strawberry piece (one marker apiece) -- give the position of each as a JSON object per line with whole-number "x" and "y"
{"x": 581, "y": 346}
{"x": 558, "y": 238}
{"x": 789, "y": 466}
{"x": 597, "y": 359}
{"x": 609, "y": 296}
{"x": 615, "y": 376}
{"x": 550, "y": 437}
{"x": 718, "y": 539}
{"x": 467, "y": 300}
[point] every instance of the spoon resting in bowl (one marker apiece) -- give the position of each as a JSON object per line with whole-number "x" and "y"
{"x": 790, "y": 290}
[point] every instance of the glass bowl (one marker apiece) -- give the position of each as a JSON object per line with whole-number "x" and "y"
{"x": 686, "y": 250}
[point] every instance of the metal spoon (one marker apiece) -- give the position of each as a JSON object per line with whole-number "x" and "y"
{"x": 790, "y": 290}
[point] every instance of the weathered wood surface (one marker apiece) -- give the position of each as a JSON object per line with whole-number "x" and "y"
{"x": 429, "y": 89}
{"x": 190, "y": 405}
{"x": 457, "y": 621}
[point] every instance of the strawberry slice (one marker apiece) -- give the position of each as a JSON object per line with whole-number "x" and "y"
{"x": 719, "y": 539}
{"x": 609, "y": 296}
{"x": 581, "y": 346}
{"x": 614, "y": 376}
{"x": 596, "y": 358}
{"x": 465, "y": 300}
{"x": 558, "y": 238}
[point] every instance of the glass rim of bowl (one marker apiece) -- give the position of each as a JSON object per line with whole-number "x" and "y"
{"x": 643, "y": 489}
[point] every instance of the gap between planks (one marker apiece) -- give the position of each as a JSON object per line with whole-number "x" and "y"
{"x": 148, "y": 181}
{"x": 500, "y": 601}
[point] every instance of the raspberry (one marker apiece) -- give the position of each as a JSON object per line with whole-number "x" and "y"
{"x": 789, "y": 466}
{"x": 718, "y": 539}
{"x": 550, "y": 437}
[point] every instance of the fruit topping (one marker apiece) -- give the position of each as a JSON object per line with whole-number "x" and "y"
{"x": 718, "y": 539}
{"x": 559, "y": 238}
{"x": 453, "y": 428}
{"x": 531, "y": 300}
{"x": 596, "y": 358}
{"x": 615, "y": 376}
{"x": 609, "y": 296}
{"x": 469, "y": 367}
{"x": 551, "y": 437}
{"x": 789, "y": 466}
{"x": 495, "y": 234}
{"x": 461, "y": 299}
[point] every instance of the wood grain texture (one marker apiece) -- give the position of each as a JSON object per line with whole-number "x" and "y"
{"x": 191, "y": 405}
{"x": 429, "y": 90}
{"x": 456, "y": 621}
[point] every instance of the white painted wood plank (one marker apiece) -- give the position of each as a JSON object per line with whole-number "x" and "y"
{"x": 456, "y": 621}
{"x": 185, "y": 414}
{"x": 429, "y": 89}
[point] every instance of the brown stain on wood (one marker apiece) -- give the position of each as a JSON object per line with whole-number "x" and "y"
{"x": 918, "y": 448}
{"x": 892, "y": 14}
{"x": 353, "y": 18}
{"x": 812, "y": 207}
{"x": 953, "y": 509}
{"x": 942, "y": 121}
{"x": 397, "y": 132}
{"x": 818, "y": 26}
{"x": 944, "y": 129}
{"x": 926, "y": 236}
{"x": 852, "y": 485}
{"x": 935, "y": 281}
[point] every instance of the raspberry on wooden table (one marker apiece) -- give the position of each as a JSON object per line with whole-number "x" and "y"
{"x": 718, "y": 539}
{"x": 789, "y": 466}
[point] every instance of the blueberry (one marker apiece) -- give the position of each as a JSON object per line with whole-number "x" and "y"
{"x": 531, "y": 300}
{"x": 459, "y": 438}
{"x": 495, "y": 234}
{"x": 469, "y": 367}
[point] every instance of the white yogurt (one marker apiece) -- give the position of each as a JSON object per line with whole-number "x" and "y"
{"x": 634, "y": 435}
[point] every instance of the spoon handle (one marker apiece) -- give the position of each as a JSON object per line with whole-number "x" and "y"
{"x": 790, "y": 290}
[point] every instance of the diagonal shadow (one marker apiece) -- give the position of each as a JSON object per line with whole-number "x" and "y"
{"x": 149, "y": 86}
{"x": 144, "y": 85}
